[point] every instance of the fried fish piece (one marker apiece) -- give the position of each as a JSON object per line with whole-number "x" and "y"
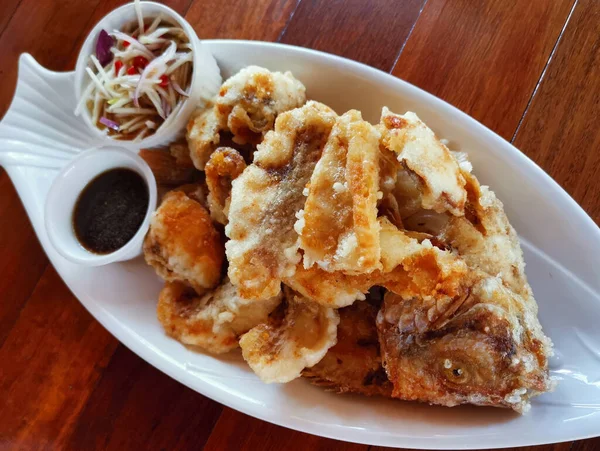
{"x": 485, "y": 238}
{"x": 252, "y": 99}
{"x": 338, "y": 227}
{"x": 224, "y": 165}
{"x": 487, "y": 349}
{"x": 296, "y": 336}
{"x": 354, "y": 364}
{"x": 203, "y": 134}
{"x": 246, "y": 106}
{"x": 426, "y": 158}
{"x": 263, "y": 245}
{"x": 409, "y": 268}
{"x": 213, "y": 322}
{"x": 183, "y": 244}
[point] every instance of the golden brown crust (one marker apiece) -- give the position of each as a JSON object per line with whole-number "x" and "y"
{"x": 183, "y": 245}
{"x": 338, "y": 229}
{"x": 214, "y": 321}
{"x": 354, "y": 364}
{"x": 224, "y": 165}
{"x": 263, "y": 245}
{"x": 409, "y": 268}
{"x": 296, "y": 336}
{"x": 458, "y": 324}
{"x": 417, "y": 147}
{"x": 485, "y": 238}
{"x": 203, "y": 135}
{"x": 246, "y": 106}
{"x": 487, "y": 348}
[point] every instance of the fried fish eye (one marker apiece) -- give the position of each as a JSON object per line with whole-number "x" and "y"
{"x": 456, "y": 372}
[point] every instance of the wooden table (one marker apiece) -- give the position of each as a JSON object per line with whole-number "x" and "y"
{"x": 528, "y": 69}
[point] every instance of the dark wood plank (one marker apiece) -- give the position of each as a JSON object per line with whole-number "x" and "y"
{"x": 135, "y": 406}
{"x": 22, "y": 259}
{"x": 560, "y": 130}
{"x": 238, "y": 432}
{"x": 261, "y": 20}
{"x": 592, "y": 444}
{"x": 51, "y": 360}
{"x": 7, "y": 9}
{"x": 557, "y": 447}
{"x": 369, "y": 31}
{"x": 484, "y": 57}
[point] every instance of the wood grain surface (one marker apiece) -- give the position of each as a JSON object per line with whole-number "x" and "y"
{"x": 528, "y": 69}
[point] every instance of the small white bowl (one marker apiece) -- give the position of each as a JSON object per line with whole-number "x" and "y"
{"x": 205, "y": 83}
{"x": 65, "y": 190}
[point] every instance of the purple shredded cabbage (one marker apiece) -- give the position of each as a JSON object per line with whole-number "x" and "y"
{"x": 109, "y": 123}
{"x": 103, "y": 46}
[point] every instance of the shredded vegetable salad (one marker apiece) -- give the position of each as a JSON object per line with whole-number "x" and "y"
{"x": 139, "y": 77}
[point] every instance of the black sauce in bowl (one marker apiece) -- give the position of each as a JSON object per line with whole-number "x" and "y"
{"x": 110, "y": 210}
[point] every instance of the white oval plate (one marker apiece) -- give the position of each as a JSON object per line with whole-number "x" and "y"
{"x": 561, "y": 245}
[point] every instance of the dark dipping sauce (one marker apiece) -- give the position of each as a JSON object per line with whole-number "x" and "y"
{"x": 110, "y": 210}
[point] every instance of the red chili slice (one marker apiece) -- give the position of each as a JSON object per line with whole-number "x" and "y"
{"x": 118, "y": 66}
{"x": 164, "y": 81}
{"x": 132, "y": 71}
{"x": 140, "y": 62}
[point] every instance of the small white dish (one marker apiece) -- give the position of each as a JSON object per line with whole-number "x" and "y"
{"x": 205, "y": 83}
{"x": 560, "y": 242}
{"x": 65, "y": 190}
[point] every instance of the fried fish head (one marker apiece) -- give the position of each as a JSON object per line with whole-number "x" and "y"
{"x": 426, "y": 158}
{"x": 338, "y": 228}
{"x": 224, "y": 165}
{"x": 183, "y": 245}
{"x": 265, "y": 199}
{"x": 354, "y": 364}
{"x": 296, "y": 336}
{"x": 486, "y": 349}
{"x": 213, "y": 322}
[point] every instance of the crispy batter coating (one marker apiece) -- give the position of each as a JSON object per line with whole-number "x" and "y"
{"x": 183, "y": 245}
{"x": 224, "y": 165}
{"x": 297, "y": 336}
{"x": 263, "y": 245}
{"x": 409, "y": 268}
{"x": 488, "y": 348}
{"x": 203, "y": 134}
{"x": 354, "y": 364}
{"x": 485, "y": 238}
{"x": 213, "y": 322}
{"x": 419, "y": 150}
{"x": 332, "y": 207}
{"x": 252, "y": 99}
{"x": 247, "y": 105}
{"x": 338, "y": 228}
